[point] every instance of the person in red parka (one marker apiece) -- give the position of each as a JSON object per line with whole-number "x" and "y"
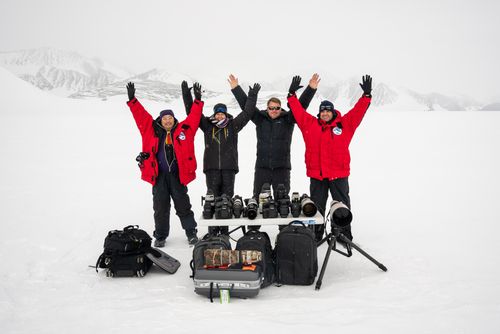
{"x": 327, "y": 138}
{"x": 168, "y": 162}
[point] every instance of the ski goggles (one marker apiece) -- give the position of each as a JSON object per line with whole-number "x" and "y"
{"x": 326, "y": 108}
{"x": 220, "y": 109}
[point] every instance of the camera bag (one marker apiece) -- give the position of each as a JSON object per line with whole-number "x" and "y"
{"x": 259, "y": 241}
{"x": 209, "y": 241}
{"x": 296, "y": 255}
{"x": 124, "y": 253}
{"x": 241, "y": 281}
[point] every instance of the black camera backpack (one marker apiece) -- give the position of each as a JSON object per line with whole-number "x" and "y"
{"x": 125, "y": 253}
{"x": 259, "y": 241}
{"x": 296, "y": 255}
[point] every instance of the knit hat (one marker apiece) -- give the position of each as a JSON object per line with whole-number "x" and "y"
{"x": 326, "y": 105}
{"x": 220, "y": 107}
{"x": 166, "y": 112}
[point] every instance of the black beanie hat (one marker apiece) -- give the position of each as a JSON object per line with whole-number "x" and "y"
{"x": 326, "y": 105}
{"x": 220, "y": 107}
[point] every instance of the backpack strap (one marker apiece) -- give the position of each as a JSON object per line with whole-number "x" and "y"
{"x": 98, "y": 261}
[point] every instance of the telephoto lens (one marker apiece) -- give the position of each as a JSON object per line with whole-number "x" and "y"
{"x": 340, "y": 215}
{"x": 308, "y": 207}
{"x": 295, "y": 205}
{"x": 251, "y": 208}
{"x": 237, "y": 206}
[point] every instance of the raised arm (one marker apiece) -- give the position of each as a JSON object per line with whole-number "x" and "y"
{"x": 308, "y": 93}
{"x": 242, "y": 119}
{"x": 193, "y": 119}
{"x": 354, "y": 117}
{"x": 143, "y": 119}
{"x": 238, "y": 92}
{"x": 302, "y": 117}
{"x": 187, "y": 98}
{"x": 188, "y": 103}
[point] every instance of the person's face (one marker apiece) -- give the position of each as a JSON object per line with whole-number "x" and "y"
{"x": 326, "y": 115}
{"x": 273, "y": 109}
{"x": 220, "y": 116}
{"x": 167, "y": 122}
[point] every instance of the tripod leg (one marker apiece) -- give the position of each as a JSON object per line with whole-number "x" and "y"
{"x": 331, "y": 243}
{"x": 365, "y": 254}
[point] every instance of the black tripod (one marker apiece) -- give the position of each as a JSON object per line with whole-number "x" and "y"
{"x": 333, "y": 238}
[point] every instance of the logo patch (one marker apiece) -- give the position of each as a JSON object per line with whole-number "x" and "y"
{"x": 182, "y": 136}
{"x": 337, "y": 131}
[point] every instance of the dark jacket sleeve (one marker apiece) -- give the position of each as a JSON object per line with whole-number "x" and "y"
{"x": 248, "y": 112}
{"x": 240, "y": 96}
{"x": 307, "y": 96}
{"x": 188, "y": 103}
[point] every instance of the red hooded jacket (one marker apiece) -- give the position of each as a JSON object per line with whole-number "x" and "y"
{"x": 327, "y": 144}
{"x": 183, "y": 137}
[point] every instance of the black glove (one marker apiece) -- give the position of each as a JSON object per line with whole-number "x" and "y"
{"x": 254, "y": 90}
{"x": 130, "y": 91}
{"x": 197, "y": 91}
{"x": 366, "y": 86}
{"x": 295, "y": 85}
{"x": 185, "y": 89}
{"x": 186, "y": 96}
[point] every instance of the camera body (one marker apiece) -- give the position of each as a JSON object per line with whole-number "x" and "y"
{"x": 295, "y": 206}
{"x": 141, "y": 157}
{"x": 251, "y": 208}
{"x": 282, "y": 201}
{"x": 264, "y": 196}
{"x": 208, "y": 203}
{"x": 237, "y": 206}
{"x": 223, "y": 207}
{"x": 269, "y": 209}
{"x": 307, "y": 205}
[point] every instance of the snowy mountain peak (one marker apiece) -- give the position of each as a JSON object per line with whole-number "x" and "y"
{"x": 62, "y": 72}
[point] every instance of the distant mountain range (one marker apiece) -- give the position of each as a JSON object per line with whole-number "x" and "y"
{"x": 69, "y": 74}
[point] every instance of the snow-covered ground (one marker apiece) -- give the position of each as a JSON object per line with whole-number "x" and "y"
{"x": 424, "y": 191}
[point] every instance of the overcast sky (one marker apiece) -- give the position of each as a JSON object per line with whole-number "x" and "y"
{"x": 441, "y": 45}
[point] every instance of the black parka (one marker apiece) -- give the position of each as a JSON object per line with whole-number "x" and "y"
{"x": 274, "y": 136}
{"x": 221, "y": 144}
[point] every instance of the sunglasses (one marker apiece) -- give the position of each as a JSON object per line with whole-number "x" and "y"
{"x": 325, "y": 108}
{"x": 274, "y": 108}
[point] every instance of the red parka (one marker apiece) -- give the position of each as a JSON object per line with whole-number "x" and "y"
{"x": 327, "y": 144}
{"x": 183, "y": 137}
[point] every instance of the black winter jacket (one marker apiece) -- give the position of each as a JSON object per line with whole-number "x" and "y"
{"x": 221, "y": 144}
{"x": 274, "y": 136}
